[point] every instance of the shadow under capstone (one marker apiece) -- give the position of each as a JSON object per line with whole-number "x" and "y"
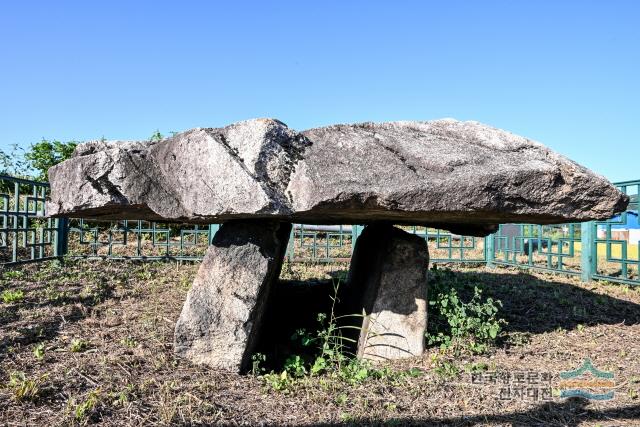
{"x": 294, "y": 305}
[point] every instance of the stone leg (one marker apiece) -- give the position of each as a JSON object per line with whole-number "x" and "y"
{"x": 388, "y": 284}
{"x": 222, "y": 316}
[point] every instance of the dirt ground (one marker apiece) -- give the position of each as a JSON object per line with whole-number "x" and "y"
{"x": 90, "y": 343}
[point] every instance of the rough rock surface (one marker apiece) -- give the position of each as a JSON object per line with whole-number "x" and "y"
{"x": 463, "y": 176}
{"x": 388, "y": 284}
{"x": 221, "y": 318}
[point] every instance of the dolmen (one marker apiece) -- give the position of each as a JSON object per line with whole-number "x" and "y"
{"x": 257, "y": 177}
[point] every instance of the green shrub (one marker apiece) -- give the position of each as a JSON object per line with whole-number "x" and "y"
{"x": 459, "y": 325}
{"x": 44, "y": 154}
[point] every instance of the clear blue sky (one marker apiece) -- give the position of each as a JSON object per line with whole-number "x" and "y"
{"x": 566, "y": 73}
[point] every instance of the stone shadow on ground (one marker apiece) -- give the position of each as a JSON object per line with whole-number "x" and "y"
{"x": 534, "y": 305}
{"x": 530, "y": 305}
{"x": 76, "y": 304}
{"x": 294, "y": 305}
{"x": 571, "y": 412}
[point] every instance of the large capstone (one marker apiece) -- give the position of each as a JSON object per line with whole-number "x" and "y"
{"x": 461, "y": 176}
{"x": 386, "y": 293}
{"x": 221, "y": 319}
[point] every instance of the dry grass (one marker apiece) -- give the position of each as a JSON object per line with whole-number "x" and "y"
{"x": 119, "y": 317}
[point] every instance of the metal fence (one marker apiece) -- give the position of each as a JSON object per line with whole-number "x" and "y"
{"x": 25, "y": 233}
{"x": 605, "y": 250}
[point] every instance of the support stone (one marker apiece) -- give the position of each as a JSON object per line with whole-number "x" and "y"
{"x": 388, "y": 284}
{"x": 221, "y": 318}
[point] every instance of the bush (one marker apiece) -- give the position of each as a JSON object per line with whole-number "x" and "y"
{"x": 45, "y": 154}
{"x": 36, "y": 161}
{"x": 459, "y": 325}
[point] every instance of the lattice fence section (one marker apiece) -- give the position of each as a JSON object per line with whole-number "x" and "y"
{"x": 321, "y": 243}
{"x": 546, "y": 247}
{"x": 129, "y": 239}
{"x": 445, "y": 247}
{"x": 617, "y": 241}
{"x": 26, "y": 234}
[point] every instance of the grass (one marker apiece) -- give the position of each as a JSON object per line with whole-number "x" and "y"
{"x": 11, "y": 296}
{"x": 126, "y": 373}
{"x": 24, "y": 389}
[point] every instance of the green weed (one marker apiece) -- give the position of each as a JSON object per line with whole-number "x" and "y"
{"x": 38, "y": 351}
{"x": 23, "y": 388}
{"x": 13, "y": 274}
{"x": 129, "y": 342}
{"x": 446, "y": 369}
{"x": 459, "y": 325}
{"x": 82, "y": 411}
{"x": 8, "y": 296}
{"x": 78, "y": 345}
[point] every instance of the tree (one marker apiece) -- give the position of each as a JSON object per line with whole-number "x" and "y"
{"x": 45, "y": 154}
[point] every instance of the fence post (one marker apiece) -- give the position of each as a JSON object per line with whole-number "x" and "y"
{"x": 489, "y": 250}
{"x": 588, "y": 250}
{"x": 355, "y": 233}
{"x": 213, "y": 229}
{"x": 62, "y": 237}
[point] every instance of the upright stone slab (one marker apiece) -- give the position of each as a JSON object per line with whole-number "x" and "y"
{"x": 221, "y": 318}
{"x": 388, "y": 284}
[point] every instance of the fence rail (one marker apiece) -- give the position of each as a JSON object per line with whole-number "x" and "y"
{"x": 605, "y": 250}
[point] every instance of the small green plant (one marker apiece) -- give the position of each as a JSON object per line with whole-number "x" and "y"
{"x": 279, "y": 382}
{"x": 390, "y": 406}
{"x": 13, "y": 274}
{"x": 129, "y": 342}
{"x": 257, "y": 360}
{"x": 156, "y": 136}
{"x": 8, "y": 296}
{"x": 446, "y": 369}
{"x": 476, "y": 367}
{"x": 23, "y": 388}
{"x": 294, "y": 365}
{"x": 519, "y": 339}
{"x": 341, "y": 399}
{"x": 38, "y": 351}
{"x": 78, "y": 345}
{"x": 122, "y": 397}
{"x": 460, "y": 325}
{"x": 83, "y": 410}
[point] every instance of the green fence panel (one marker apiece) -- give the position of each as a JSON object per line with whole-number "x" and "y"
{"x": 138, "y": 240}
{"x": 616, "y": 242}
{"x": 321, "y": 243}
{"x": 26, "y": 234}
{"x": 552, "y": 248}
